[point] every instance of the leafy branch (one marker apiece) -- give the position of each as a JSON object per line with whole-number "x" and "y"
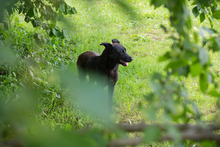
{"x": 188, "y": 56}
{"x": 44, "y": 14}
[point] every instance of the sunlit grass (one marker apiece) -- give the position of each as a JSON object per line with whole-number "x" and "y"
{"x": 101, "y": 21}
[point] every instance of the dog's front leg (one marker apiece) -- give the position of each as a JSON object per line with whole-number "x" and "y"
{"x": 110, "y": 96}
{"x": 111, "y": 88}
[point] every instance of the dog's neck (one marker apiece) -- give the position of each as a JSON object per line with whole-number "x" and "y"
{"x": 105, "y": 61}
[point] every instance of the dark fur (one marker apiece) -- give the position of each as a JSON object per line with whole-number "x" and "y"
{"x": 105, "y": 64}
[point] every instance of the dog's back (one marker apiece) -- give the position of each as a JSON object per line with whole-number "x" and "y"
{"x": 82, "y": 63}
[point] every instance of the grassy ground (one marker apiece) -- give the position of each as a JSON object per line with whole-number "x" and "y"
{"x": 96, "y": 22}
{"x": 143, "y": 38}
{"x": 145, "y": 41}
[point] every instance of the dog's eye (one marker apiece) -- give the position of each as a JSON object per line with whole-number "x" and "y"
{"x": 122, "y": 52}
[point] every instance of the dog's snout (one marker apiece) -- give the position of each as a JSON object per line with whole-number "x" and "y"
{"x": 131, "y": 58}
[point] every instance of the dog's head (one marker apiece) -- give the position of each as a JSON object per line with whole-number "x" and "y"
{"x": 117, "y": 53}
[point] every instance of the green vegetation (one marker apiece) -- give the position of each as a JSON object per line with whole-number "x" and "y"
{"x": 41, "y": 66}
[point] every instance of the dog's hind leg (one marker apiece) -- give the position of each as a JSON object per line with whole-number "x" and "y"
{"x": 82, "y": 74}
{"x": 81, "y": 71}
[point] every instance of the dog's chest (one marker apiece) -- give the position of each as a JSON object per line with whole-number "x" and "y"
{"x": 113, "y": 75}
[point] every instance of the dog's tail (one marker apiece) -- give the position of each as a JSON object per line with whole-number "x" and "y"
{"x": 115, "y": 41}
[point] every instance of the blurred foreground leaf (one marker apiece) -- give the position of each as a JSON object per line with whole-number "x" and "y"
{"x": 44, "y": 137}
{"x": 6, "y": 55}
{"x": 91, "y": 98}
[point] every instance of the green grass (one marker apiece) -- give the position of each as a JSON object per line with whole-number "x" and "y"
{"x": 97, "y": 22}
{"x": 142, "y": 36}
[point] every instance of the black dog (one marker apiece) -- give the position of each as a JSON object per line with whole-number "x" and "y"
{"x": 105, "y": 64}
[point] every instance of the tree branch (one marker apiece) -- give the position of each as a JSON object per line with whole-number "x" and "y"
{"x": 12, "y": 143}
{"x": 126, "y": 142}
{"x": 187, "y": 132}
{"x": 141, "y": 127}
{"x": 184, "y": 136}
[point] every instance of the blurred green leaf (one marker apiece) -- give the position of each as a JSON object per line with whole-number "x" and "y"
{"x": 157, "y": 76}
{"x": 196, "y": 111}
{"x": 210, "y": 31}
{"x": 20, "y": 9}
{"x": 177, "y": 111}
{"x": 27, "y": 19}
{"x": 150, "y": 114}
{"x": 203, "y": 56}
{"x": 95, "y": 100}
{"x": 36, "y": 22}
{"x": 216, "y": 14}
{"x": 177, "y": 63}
{"x": 56, "y": 32}
{"x": 62, "y": 8}
{"x": 195, "y": 11}
{"x": 203, "y": 81}
{"x": 6, "y": 55}
{"x": 196, "y": 36}
{"x": 214, "y": 93}
{"x": 35, "y": 12}
{"x": 158, "y": 3}
{"x": 187, "y": 44}
{"x": 73, "y": 10}
{"x": 149, "y": 97}
{"x": 184, "y": 93}
{"x": 44, "y": 137}
{"x": 207, "y": 143}
{"x": 30, "y": 12}
{"x": 173, "y": 132}
{"x": 215, "y": 44}
{"x": 195, "y": 69}
{"x": 165, "y": 57}
{"x": 183, "y": 71}
{"x": 156, "y": 87}
{"x": 65, "y": 34}
{"x": 202, "y": 17}
{"x": 210, "y": 78}
{"x": 91, "y": 98}
{"x": 152, "y": 134}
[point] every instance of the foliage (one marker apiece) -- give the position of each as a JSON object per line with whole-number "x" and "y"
{"x": 188, "y": 56}
{"x": 44, "y": 14}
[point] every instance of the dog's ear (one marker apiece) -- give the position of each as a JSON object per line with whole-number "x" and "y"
{"x": 115, "y": 41}
{"x": 107, "y": 45}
